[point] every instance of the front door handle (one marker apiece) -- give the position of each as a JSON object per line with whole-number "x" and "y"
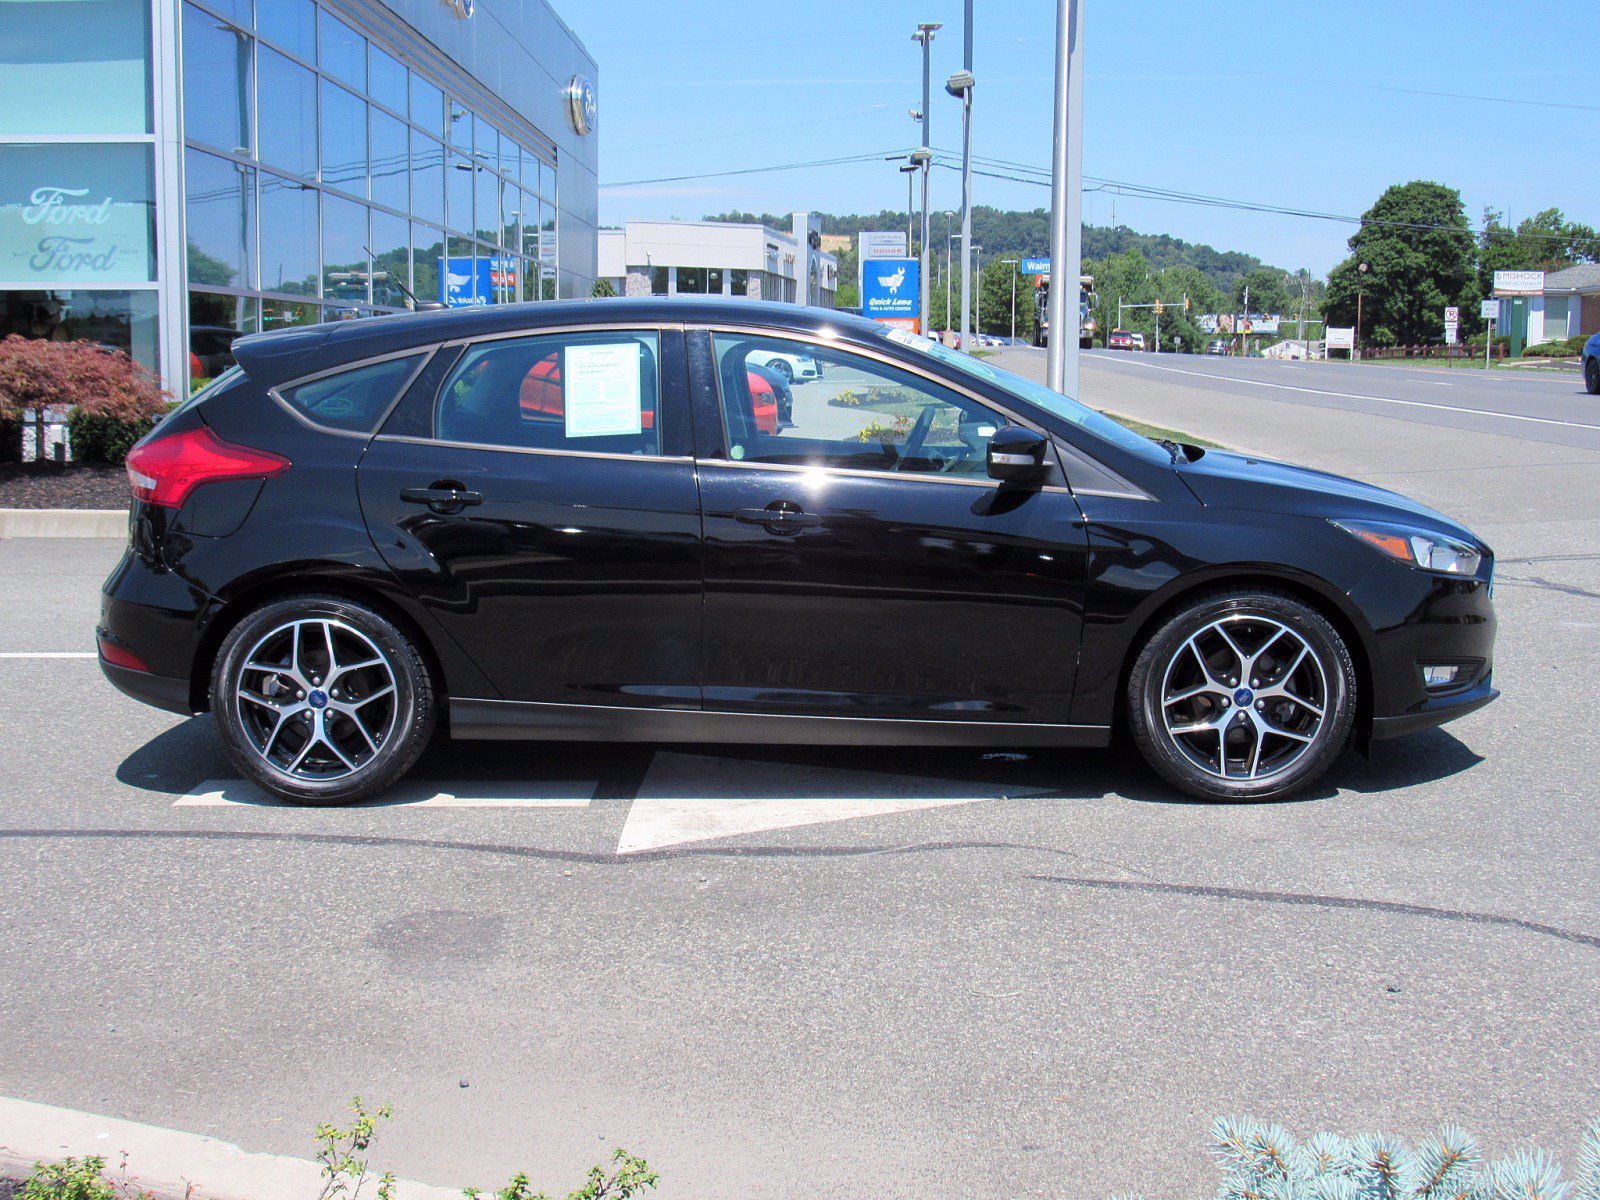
{"x": 782, "y": 516}
{"x": 442, "y": 497}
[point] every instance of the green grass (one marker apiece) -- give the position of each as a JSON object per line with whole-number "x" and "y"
{"x": 1162, "y": 433}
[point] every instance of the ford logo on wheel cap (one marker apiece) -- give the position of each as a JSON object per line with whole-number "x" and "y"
{"x": 317, "y": 698}
{"x": 1243, "y": 697}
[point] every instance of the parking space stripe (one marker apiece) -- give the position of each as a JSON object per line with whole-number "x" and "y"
{"x": 48, "y": 654}
{"x": 237, "y": 793}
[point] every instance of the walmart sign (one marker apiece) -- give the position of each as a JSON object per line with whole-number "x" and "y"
{"x": 890, "y": 291}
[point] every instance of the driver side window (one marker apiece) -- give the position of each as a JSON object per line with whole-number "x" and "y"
{"x": 808, "y": 404}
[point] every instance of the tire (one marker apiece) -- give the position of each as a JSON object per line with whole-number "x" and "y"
{"x": 1187, "y": 689}
{"x": 291, "y": 727}
{"x": 1591, "y": 376}
{"x": 783, "y": 369}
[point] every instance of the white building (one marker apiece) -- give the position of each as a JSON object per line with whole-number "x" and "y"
{"x": 1570, "y": 306}
{"x": 721, "y": 258}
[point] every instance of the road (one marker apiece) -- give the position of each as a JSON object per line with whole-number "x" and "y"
{"x": 796, "y": 974}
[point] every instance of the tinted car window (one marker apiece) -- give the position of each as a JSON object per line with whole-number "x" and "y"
{"x": 355, "y": 399}
{"x": 845, "y": 410}
{"x": 573, "y": 391}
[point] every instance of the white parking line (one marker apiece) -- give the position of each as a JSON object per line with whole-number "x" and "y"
{"x": 227, "y": 793}
{"x": 1290, "y": 387}
{"x": 653, "y": 823}
{"x": 49, "y": 654}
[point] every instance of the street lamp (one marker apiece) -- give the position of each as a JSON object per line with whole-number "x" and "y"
{"x": 1014, "y": 263}
{"x": 977, "y": 293}
{"x": 960, "y": 84}
{"x": 949, "y": 277}
{"x": 909, "y": 170}
{"x": 1361, "y": 274}
{"x": 924, "y": 34}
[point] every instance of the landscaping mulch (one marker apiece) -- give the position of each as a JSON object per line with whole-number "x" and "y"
{"x": 56, "y": 485}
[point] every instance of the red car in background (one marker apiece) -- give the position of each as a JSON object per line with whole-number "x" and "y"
{"x": 1119, "y": 339}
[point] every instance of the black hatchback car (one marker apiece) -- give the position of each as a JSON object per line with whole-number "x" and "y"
{"x": 563, "y": 521}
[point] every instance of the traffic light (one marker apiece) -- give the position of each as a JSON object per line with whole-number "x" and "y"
{"x": 1158, "y": 308}
{"x": 1186, "y": 302}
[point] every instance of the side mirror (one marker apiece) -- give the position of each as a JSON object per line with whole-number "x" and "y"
{"x": 1017, "y": 455}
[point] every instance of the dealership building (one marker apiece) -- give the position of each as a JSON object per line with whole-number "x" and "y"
{"x": 720, "y": 258}
{"x": 257, "y": 164}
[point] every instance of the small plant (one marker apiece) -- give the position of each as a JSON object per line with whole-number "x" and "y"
{"x": 114, "y": 400}
{"x": 886, "y": 434}
{"x": 1265, "y": 1162}
{"x": 68, "y": 1179}
{"x": 847, "y": 399}
{"x": 342, "y": 1153}
{"x": 628, "y": 1176}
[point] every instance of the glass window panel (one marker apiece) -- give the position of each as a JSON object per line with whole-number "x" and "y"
{"x": 345, "y": 273}
{"x": 387, "y": 79}
{"x": 740, "y": 281}
{"x": 344, "y": 51}
{"x": 487, "y": 188}
{"x": 222, "y": 315}
{"x": 462, "y": 273}
{"x": 427, "y": 178}
{"x": 49, "y": 50}
{"x": 427, "y": 105}
{"x": 659, "y": 281}
{"x": 284, "y": 314}
{"x": 354, "y": 399}
{"x": 503, "y": 276}
{"x": 691, "y": 281}
{"x": 344, "y": 139}
{"x": 547, "y": 283}
{"x": 391, "y": 176}
{"x": 289, "y": 259}
{"x": 219, "y": 220}
{"x": 391, "y": 262}
{"x": 428, "y": 250}
{"x": 76, "y": 213}
{"x": 547, "y": 234}
{"x": 216, "y": 80}
{"x": 458, "y": 183}
{"x": 514, "y": 393}
{"x": 292, "y": 24}
{"x": 288, "y": 119}
{"x": 527, "y": 280}
{"x": 459, "y": 132}
{"x": 714, "y": 281}
{"x": 120, "y": 318}
{"x": 528, "y": 221}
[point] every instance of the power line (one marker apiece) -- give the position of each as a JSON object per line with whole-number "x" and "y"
{"x": 799, "y": 166}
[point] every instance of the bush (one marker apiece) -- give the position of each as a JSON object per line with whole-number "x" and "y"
{"x": 123, "y": 398}
{"x": 1562, "y": 348}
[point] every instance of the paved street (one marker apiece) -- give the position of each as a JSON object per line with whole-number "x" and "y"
{"x": 850, "y": 972}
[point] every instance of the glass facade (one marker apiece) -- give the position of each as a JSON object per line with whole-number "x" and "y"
{"x": 364, "y": 180}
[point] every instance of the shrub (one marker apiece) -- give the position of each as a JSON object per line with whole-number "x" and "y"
{"x": 122, "y": 398}
{"x": 1561, "y": 348}
{"x": 603, "y": 289}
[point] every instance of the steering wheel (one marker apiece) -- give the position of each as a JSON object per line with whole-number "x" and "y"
{"x": 918, "y": 434}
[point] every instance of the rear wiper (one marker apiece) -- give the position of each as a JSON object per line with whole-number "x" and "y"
{"x": 1179, "y": 454}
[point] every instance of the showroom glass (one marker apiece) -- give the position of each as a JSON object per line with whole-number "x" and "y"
{"x": 47, "y": 64}
{"x": 862, "y": 414}
{"x": 289, "y": 259}
{"x": 594, "y": 392}
{"x": 391, "y": 176}
{"x": 353, "y": 400}
{"x": 122, "y": 318}
{"x": 216, "y": 81}
{"x": 344, "y": 139}
{"x": 291, "y": 24}
{"x": 388, "y": 79}
{"x": 345, "y": 272}
{"x": 76, "y": 213}
{"x": 219, "y": 198}
{"x": 391, "y": 261}
{"x": 288, "y": 115}
{"x": 343, "y": 50}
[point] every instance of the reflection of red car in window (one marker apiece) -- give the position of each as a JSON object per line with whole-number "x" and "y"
{"x": 541, "y": 397}
{"x": 763, "y": 403}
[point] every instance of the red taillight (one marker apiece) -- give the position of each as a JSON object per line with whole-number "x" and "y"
{"x": 118, "y": 657}
{"x": 165, "y": 471}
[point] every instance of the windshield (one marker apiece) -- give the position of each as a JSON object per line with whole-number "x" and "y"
{"x": 1036, "y": 394}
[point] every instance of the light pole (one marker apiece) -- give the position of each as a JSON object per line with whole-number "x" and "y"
{"x": 908, "y": 170}
{"x": 977, "y": 297}
{"x": 1014, "y": 263}
{"x": 1361, "y": 275}
{"x": 924, "y": 34}
{"x": 960, "y": 84}
{"x": 1066, "y": 199}
{"x": 949, "y": 277}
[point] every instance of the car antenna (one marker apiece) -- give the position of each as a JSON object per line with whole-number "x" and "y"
{"x": 416, "y": 305}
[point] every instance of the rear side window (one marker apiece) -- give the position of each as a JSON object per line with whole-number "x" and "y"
{"x": 566, "y": 391}
{"x": 353, "y": 400}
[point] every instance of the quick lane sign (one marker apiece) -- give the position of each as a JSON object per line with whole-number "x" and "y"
{"x": 890, "y": 289}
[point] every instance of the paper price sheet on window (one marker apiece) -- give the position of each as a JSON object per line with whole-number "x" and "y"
{"x": 603, "y": 398}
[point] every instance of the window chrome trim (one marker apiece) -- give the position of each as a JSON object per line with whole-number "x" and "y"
{"x": 983, "y": 481}
{"x": 423, "y": 354}
{"x": 636, "y": 458}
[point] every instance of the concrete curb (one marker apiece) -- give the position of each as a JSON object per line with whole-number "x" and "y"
{"x": 165, "y": 1161}
{"x": 64, "y": 522}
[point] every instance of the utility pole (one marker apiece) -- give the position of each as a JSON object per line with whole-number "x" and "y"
{"x": 949, "y": 293}
{"x": 1013, "y": 262}
{"x": 1361, "y": 275}
{"x": 924, "y": 34}
{"x": 977, "y": 293}
{"x": 1066, "y": 201}
{"x": 908, "y": 171}
{"x": 960, "y": 84}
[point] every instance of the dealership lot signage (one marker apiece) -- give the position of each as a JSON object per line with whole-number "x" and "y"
{"x": 76, "y": 214}
{"x": 890, "y": 291}
{"x": 1518, "y": 283}
{"x": 881, "y": 244}
{"x": 471, "y": 282}
{"x": 1341, "y": 339}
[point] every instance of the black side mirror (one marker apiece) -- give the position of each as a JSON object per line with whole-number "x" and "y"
{"x": 1017, "y": 455}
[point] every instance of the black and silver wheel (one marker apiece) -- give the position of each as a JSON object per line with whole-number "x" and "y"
{"x": 1242, "y": 696}
{"x": 1591, "y": 376}
{"x": 783, "y": 369}
{"x": 321, "y": 700}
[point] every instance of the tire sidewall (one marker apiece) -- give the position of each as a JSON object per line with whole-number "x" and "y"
{"x": 1148, "y": 676}
{"x": 414, "y": 708}
{"x": 1591, "y": 376}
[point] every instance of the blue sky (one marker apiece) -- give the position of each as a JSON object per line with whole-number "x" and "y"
{"x": 1289, "y": 105}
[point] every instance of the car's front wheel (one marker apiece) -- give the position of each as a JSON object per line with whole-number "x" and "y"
{"x": 321, "y": 700}
{"x": 1591, "y": 376}
{"x": 1243, "y": 695}
{"x": 783, "y": 369}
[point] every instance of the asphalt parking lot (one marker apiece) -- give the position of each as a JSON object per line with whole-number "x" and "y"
{"x": 865, "y": 972}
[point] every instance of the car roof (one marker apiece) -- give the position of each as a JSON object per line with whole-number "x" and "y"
{"x": 290, "y": 353}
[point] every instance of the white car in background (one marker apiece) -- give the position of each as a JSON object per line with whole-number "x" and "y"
{"x": 793, "y": 367}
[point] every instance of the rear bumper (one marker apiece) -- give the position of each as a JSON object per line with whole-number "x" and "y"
{"x": 160, "y": 691}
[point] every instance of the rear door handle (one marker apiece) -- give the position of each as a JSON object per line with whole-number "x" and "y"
{"x": 441, "y": 499}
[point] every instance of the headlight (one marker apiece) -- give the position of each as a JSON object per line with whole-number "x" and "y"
{"x": 1417, "y": 547}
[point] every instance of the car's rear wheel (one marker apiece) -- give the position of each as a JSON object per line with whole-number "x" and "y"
{"x": 783, "y": 369}
{"x": 321, "y": 700}
{"x": 1591, "y": 376}
{"x": 1245, "y": 695}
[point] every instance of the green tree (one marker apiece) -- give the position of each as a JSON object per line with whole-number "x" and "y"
{"x": 1267, "y": 291}
{"x": 1419, "y": 255}
{"x": 603, "y": 289}
{"x": 1546, "y": 241}
{"x": 998, "y": 280}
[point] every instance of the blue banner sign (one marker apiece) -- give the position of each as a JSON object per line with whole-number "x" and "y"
{"x": 475, "y": 282}
{"x": 1034, "y": 266}
{"x": 891, "y": 290}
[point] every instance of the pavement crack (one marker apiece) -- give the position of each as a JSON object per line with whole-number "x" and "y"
{"x": 1550, "y": 585}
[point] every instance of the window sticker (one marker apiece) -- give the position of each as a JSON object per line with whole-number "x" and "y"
{"x": 603, "y": 397}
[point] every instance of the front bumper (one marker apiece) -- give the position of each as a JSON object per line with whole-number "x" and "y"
{"x": 1436, "y": 711}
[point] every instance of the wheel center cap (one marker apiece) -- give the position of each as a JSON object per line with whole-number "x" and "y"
{"x": 317, "y": 698}
{"x": 1243, "y": 697}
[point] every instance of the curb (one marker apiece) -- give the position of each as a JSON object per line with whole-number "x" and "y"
{"x": 64, "y": 523}
{"x": 165, "y": 1162}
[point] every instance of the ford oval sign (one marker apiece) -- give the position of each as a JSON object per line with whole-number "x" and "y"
{"x": 581, "y": 104}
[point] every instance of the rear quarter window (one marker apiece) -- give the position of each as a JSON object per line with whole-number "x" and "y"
{"x": 352, "y": 400}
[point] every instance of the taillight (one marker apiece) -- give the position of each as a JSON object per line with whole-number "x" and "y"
{"x": 165, "y": 471}
{"x": 119, "y": 657}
